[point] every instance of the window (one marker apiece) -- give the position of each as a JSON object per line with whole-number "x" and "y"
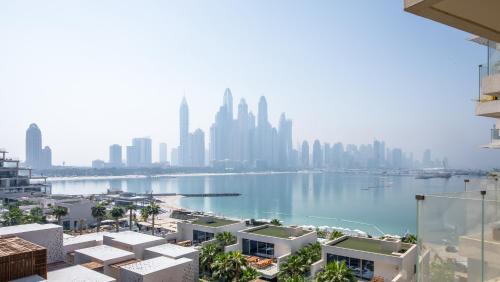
{"x": 257, "y": 248}
{"x": 363, "y": 269}
{"x": 201, "y": 236}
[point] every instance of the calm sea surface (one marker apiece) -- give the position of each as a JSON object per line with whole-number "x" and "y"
{"x": 370, "y": 203}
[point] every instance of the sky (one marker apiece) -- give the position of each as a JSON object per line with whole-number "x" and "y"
{"x": 95, "y": 73}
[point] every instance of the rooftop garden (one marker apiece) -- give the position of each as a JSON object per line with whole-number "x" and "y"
{"x": 278, "y": 231}
{"x": 367, "y": 245}
{"x": 213, "y": 222}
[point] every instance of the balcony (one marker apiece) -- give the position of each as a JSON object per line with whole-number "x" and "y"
{"x": 495, "y": 139}
{"x": 476, "y": 17}
{"x": 488, "y": 108}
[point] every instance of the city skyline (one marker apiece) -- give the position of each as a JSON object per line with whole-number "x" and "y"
{"x": 336, "y": 81}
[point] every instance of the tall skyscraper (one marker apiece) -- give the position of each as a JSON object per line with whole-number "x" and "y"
{"x": 305, "y": 154}
{"x": 184, "y": 133}
{"x": 228, "y": 103}
{"x": 285, "y": 141}
{"x": 132, "y": 156}
{"x": 264, "y": 134}
{"x": 317, "y": 154}
{"x": 33, "y": 146}
{"x": 197, "y": 148}
{"x": 174, "y": 157}
{"x": 46, "y": 158}
{"x": 427, "y": 158}
{"x": 115, "y": 155}
{"x": 162, "y": 158}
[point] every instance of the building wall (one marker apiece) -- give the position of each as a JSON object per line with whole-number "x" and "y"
{"x": 185, "y": 229}
{"x": 181, "y": 273}
{"x": 194, "y": 256}
{"x": 78, "y": 211}
{"x": 51, "y": 239}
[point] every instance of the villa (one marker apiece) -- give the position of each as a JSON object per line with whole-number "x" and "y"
{"x": 274, "y": 243}
{"x": 371, "y": 259}
{"x": 204, "y": 228}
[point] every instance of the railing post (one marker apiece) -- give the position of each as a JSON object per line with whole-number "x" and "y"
{"x": 483, "y": 193}
{"x": 419, "y": 199}
{"x": 479, "y": 83}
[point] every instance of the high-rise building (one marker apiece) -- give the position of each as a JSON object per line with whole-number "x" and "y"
{"x": 305, "y": 154}
{"x": 197, "y": 149}
{"x": 427, "y": 158}
{"x": 184, "y": 133}
{"x": 115, "y": 155}
{"x": 174, "y": 157}
{"x": 143, "y": 146}
{"x": 33, "y": 146}
{"x": 46, "y": 157}
{"x": 317, "y": 154}
{"x": 162, "y": 151}
{"x": 285, "y": 141}
{"x": 133, "y": 156}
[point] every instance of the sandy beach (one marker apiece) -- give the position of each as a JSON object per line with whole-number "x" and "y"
{"x": 170, "y": 202}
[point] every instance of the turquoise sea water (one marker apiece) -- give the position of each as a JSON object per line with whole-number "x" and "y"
{"x": 371, "y": 203}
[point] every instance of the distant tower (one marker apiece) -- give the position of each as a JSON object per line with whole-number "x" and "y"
{"x": 184, "y": 133}
{"x": 228, "y": 102}
{"x": 317, "y": 155}
{"x": 115, "y": 155}
{"x": 305, "y": 154}
{"x": 262, "y": 120}
{"x": 33, "y": 146}
{"x": 46, "y": 157}
{"x": 163, "y": 153}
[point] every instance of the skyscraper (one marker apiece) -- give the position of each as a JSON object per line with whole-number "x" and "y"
{"x": 46, "y": 158}
{"x": 317, "y": 154}
{"x": 197, "y": 148}
{"x": 162, "y": 158}
{"x": 132, "y": 156}
{"x": 264, "y": 134}
{"x": 143, "y": 150}
{"x": 184, "y": 133}
{"x": 33, "y": 146}
{"x": 285, "y": 141}
{"x": 305, "y": 154}
{"x": 228, "y": 103}
{"x": 115, "y": 155}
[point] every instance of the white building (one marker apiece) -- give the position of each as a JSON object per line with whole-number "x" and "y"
{"x": 133, "y": 241}
{"x": 104, "y": 255}
{"x": 49, "y": 236}
{"x": 175, "y": 252}
{"x": 77, "y": 273}
{"x": 158, "y": 269}
{"x": 387, "y": 259}
{"x": 205, "y": 228}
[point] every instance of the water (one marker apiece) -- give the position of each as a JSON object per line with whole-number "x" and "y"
{"x": 371, "y": 203}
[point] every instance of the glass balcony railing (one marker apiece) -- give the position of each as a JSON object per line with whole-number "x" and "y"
{"x": 459, "y": 235}
{"x": 493, "y": 63}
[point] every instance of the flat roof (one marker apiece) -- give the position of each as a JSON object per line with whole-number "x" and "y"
{"x": 133, "y": 238}
{"x": 155, "y": 264}
{"x": 83, "y": 238}
{"x": 362, "y": 244}
{"x": 172, "y": 250}
{"x": 278, "y": 231}
{"x": 104, "y": 252}
{"x": 8, "y": 230}
{"x": 77, "y": 273}
{"x": 213, "y": 221}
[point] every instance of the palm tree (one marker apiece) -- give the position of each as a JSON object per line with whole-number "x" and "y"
{"x": 335, "y": 272}
{"x": 131, "y": 208}
{"x": 225, "y": 239}
{"x": 293, "y": 267}
{"x": 248, "y": 274}
{"x": 275, "y": 221}
{"x": 13, "y": 217}
{"x": 59, "y": 212}
{"x": 99, "y": 212}
{"x": 237, "y": 261}
{"x": 207, "y": 257}
{"x": 336, "y": 234}
{"x": 222, "y": 268}
{"x": 36, "y": 215}
{"x": 153, "y": 210}
{"x": 117, "y": 213}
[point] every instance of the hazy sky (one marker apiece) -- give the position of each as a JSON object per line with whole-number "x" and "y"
{"x": 93, "y": 73}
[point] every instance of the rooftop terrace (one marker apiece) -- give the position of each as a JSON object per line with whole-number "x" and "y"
{"x": 213, "y": 222}
{"x": 278, "y": 231}
{"x": 362, "y": 244}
